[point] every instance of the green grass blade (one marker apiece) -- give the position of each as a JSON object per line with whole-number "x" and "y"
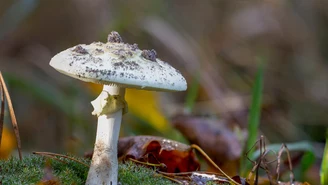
{"x": 254, "y": 115}
{"x": 192, "y": 94}
{"x": 307, "y": 161}
{"x": 324, "y": 164}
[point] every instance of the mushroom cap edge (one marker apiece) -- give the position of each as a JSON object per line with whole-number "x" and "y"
{"x": 117, "y": 63}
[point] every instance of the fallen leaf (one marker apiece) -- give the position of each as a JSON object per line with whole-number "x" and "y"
{"x": 177, "y": 157}
{"x": 219, "y": 142}
{"x": 8, "y": 144}
{"x": 150, "y": 109}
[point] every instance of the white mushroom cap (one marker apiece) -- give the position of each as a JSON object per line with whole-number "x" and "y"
{"x": 118, "y": 63}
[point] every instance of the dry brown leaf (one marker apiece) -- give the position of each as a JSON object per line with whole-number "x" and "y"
{"x": 177, "y": 157}
{"x": 218, "y": 141}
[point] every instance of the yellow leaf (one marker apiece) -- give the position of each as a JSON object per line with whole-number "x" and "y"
{"x": 143, "y": 104}
{"x": 7, "y": 144}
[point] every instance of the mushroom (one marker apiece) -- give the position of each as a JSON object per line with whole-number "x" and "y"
{"x": 117, "y": 66}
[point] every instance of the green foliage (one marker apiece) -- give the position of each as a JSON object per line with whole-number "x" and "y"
{"x": 192, "y": 93}
{"x": 254, "y": 116}
{"x": 324, "y": 164}
{"x": 31, "y": 170}
{"x": 129, "y": 173}
{"x": 307, "y": 161}
{"x": 214, "y": 183}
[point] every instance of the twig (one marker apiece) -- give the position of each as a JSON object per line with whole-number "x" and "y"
{"x": 172, "y": 179}
{"x": 160, "y": 173}
{"x": 291, "y": 175}
{"x": 263, "y": 153}
{"x": 12, "y": 116}
{"x": 161, "y": 165}
{"x": 52, "y": 157}
{"x": 60, "y": 155}
{"x": 218, "y": 175}
{"x": 175, "y": 174}
{"x": 179, "y": 175}
{"x": 261, "y": 163}
{"x": 266, "y": 168}
{"x": 212, "y": 163}
{"x": 189, "y": 173}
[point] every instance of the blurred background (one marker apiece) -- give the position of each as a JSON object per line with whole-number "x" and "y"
{"x": 213, "y": 43}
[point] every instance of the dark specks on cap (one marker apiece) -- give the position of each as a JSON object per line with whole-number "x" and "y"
{"x": 122, "y": 53}
{"x": 149, "y": 54}
{"x": 97, "y": 60}
{"x": 100, "y": 73}
{"x": 114, "y": 37}
{"x": 99, "y": 51}
{"x": 80, "y": 49}
{"x": 131, "y": 76}
{"x": 134, "y": 47}
{"x": 128, "y": 75}
{"x": 126, "y": 65}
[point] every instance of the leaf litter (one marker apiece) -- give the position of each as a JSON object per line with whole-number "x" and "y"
{"x": 173, "y": 160}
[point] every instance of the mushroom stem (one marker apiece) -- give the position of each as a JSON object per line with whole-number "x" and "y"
{"x": 104, "y": 164}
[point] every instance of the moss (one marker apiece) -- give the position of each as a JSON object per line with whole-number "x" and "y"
{"x": 32, "y": 169}
{"x": 129, "y": 173}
